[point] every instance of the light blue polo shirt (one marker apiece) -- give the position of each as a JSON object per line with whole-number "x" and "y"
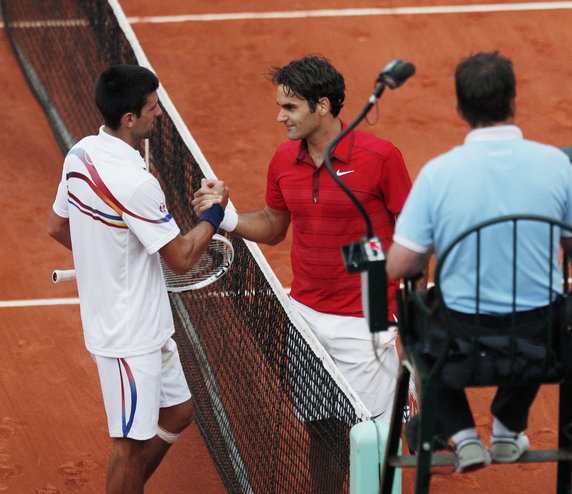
{"x": 496, "y": 172}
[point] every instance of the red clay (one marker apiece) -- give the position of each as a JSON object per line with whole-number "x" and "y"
{"x": 52, "y": 427}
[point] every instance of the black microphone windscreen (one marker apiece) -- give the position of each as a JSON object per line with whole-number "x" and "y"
{"x": 396, "y": 73}
{"x": 405, "y": 71}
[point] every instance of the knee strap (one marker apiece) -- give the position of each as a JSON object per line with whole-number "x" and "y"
{"x": 168, "y": 437}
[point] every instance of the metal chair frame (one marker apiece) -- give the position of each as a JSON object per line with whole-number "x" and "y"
{"x": 429, "y": 374}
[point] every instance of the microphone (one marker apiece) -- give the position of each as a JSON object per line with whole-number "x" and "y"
{"x": 395, "y": 73}
{"x": 367, "y": 257}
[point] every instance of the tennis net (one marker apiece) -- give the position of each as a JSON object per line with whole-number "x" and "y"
{"x": 273, "y": 409}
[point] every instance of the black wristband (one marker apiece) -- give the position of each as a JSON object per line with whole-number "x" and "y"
{"x": 213, "y": 215}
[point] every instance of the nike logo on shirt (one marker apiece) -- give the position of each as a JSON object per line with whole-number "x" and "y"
{"x": 339, "y": 173}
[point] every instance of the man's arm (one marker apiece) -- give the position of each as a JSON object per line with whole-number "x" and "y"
{"x": 422, "y": 281}
{"x": 265, "y": 226}
{"x": 59, "y": 229}
{"x": 181, "y": 253}
{"x": 405, "y": 263}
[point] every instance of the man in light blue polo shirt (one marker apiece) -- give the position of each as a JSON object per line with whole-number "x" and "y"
{"x": 495, "y": 172}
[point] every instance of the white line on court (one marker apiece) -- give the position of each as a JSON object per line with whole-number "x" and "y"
{"x": 296, "y": 14}
{"x": 438, "y": 9}
{"x": 47, "y": 301}
{"x": 39, "y": 302}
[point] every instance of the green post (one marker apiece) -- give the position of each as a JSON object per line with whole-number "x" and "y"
{"x": 368, "y": 441}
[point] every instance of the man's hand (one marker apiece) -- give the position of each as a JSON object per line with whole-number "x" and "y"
{"x": 211, "y": 192}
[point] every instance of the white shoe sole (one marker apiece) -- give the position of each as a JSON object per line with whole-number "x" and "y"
{"x": 509, "y": 450}
{"x": 471, "y": 457}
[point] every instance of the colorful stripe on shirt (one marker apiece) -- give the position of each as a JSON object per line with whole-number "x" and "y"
{"x": 98, "y": 186}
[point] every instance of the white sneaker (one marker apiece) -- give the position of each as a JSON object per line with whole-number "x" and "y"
{"x": 471, "y": 454}
{"x": 509, "y": 448}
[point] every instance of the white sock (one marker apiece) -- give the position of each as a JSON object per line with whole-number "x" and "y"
{"x": 499, "y": 429}
{"x": 460, "y": 436}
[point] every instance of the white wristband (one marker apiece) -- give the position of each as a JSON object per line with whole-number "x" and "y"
{"x": 230, "y": 220}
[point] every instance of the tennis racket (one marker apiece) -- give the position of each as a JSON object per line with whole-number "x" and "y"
{"x": 210, "y": 267}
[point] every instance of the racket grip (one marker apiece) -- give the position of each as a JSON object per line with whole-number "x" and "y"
{"x": 59, "y": 275}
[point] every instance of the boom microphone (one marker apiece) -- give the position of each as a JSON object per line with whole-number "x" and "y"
{"x": 395, "y": 73}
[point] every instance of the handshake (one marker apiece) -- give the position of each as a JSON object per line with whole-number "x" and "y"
{"x": 215, "y": 192}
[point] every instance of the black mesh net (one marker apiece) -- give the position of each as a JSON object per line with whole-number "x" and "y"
{"x": 269, "y": 410}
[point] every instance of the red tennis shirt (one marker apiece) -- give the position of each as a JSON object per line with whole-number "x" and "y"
{"x": 324, "y": 218}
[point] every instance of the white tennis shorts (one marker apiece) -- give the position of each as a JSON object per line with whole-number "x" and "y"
{"x": 351, "y": 345}
{"x": 135, "y": 388}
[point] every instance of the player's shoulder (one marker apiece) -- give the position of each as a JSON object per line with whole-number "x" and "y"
{"x": 550, "y": 158}
{"x": 373, "y": 142}
{"x": 450, "y": 160}
{"x": 82, "y": 152}
{"x": 85, "y": 143}
{"x": 376, "y": 146}
{"x": 547, "y": 150}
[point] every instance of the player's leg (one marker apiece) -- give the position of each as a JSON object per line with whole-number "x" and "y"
{"x": 510, "y": 408}
{"x": 351, "y": 345}
{"x": 176, "y": 412}
{"x": 368, "y": 361}
{"x": 172, "y": 421}
{"x": 326, "y": 434}
{"x": 125, "y": 474}
{"x": 455, "y": 421}
{"x": 131, "y": 391}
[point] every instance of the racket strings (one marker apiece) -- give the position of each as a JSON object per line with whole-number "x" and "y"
{"x": 211, "y": 264}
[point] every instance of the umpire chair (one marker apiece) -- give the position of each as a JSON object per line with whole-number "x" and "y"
{"x": 501, "y": 363}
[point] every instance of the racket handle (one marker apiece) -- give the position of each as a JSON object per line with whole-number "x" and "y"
{"x": 59, "y": 275}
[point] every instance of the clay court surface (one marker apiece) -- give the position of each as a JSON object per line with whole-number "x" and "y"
{"x": 53, "y": 436}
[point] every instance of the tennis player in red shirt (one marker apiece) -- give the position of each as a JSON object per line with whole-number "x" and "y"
{"x": 300, "y": 191}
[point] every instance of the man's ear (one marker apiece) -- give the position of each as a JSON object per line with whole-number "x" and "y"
{"x": 323, "y": 106}
{"x": 128, "y": 120}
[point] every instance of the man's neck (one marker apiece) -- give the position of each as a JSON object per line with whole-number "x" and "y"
{"x": 319, "y": 141}
{"x": 123, "y": 135}
{"x": 508, "y": 121}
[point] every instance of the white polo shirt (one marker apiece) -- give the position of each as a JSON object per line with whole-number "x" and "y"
{"x": 118, "y": 222}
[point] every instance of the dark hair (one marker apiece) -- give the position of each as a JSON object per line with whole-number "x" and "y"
{"x": 486, "y": 86}
{"x": 122, "y": 89}
{"x": 311, "y": 78}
